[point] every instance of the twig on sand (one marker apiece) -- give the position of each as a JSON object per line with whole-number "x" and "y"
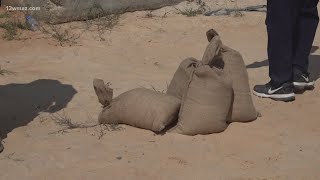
{"x": 107, "y": 127}
{"x": 4, "y": 72}
{"x": 67, "y": 124}
{"x": 10, "y": 156}
{"x": 63, "y": 120}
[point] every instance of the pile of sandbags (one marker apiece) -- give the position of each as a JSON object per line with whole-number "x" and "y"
{"x": 213, "y": 92}
{"x": 202, "y": 98}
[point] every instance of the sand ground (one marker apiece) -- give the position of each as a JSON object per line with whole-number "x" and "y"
{"x": 282, "y": 144}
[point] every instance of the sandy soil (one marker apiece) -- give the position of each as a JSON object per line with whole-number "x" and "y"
{"x": 282, "y": 144}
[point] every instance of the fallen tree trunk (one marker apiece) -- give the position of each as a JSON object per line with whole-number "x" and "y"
{"x": 60, "y": 11}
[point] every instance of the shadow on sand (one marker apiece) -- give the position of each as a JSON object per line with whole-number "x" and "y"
{"x": 21, "y": 103}
{"x": 314, "y": 64}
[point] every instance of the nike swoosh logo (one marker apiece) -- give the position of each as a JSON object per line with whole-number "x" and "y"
{"x": 273, "y": 91}
{"x": 306, "y": 78}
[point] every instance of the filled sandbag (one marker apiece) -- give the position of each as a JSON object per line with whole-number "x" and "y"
{"x": 243, "y": 109}
{"x": 206, "y": 102}
{"x": 232, "y": 63}
{"x": 142, "y": 108}
{"x": 181, "y": 77}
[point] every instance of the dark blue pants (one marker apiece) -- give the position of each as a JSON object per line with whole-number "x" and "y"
{"x": 291, "y": 26}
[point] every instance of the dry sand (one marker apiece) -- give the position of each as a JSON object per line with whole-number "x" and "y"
{"x": 282, "y": 144}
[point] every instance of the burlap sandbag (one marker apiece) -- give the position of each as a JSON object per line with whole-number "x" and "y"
{"x": 206, "y": 102}
{"x": 233, "y": 65}
{"x": 181, "y": 77}
{"x": 142, "y": 108}
{"x": 243, "y": 109}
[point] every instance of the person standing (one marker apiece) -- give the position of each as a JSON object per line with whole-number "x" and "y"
{"x": 291, "y": 28}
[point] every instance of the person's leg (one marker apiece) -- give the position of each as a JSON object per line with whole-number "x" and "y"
{"x": 281, "y": 27}
{"x": 308, "y": 20}
{"x": 281, "y": 24}
{"x": 1, "y": 146}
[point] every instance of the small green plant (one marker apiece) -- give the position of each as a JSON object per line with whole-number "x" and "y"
{"x": 149, "y": 14}
{"x": 5, "y": 15}
{"x": 190, "y": 12}
{"x": 11, "y": 27}
{"x": 63, "y": 36}
{"x": 238, "y": 14}
{"x": 97, "y": 17}
{"x": 103, "y": 24}
{"x": 4, "y": 72}
{"x": 237, "y": 11}
{"x": 108, "y": 22}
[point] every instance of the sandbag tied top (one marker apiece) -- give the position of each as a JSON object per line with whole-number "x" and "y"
{"x": 142, "y": 108}
{"x": 103, "y": 91}
{"x": 212, "y": 51}
{"x": 181, "y": 77}
{"x": 206, "y": 102}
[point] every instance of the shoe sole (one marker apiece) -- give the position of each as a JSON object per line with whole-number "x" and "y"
{"x": 303, "y": 85}
{"x": 277, "y": 97}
